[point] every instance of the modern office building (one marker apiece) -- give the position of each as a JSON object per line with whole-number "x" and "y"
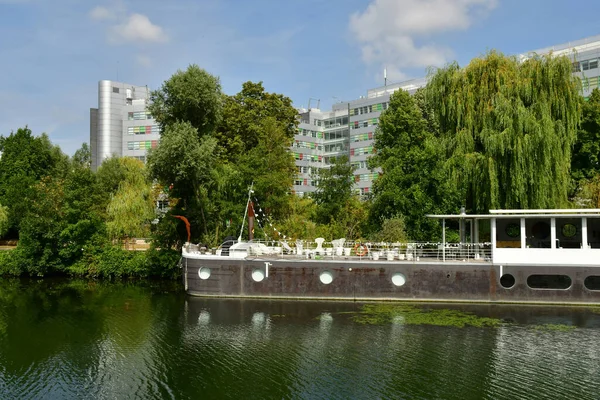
{"x": 350, "y": 127}
{"x": 121, "y": 125}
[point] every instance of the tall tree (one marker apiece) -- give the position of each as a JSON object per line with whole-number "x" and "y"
{"x": 82, "y": 156}
{"x": 192, "y": 95}
{"x": 510, "y": 127}
{"x": 244, "y": 115}
{"x": 585, "y": 163}
{"x": 131, "y": 208}
{"x": 188, "y": 166}
{"x": 333, "y": 190}
{"x": 412, "y": 183}
{"x": 25, "y": 160}
{"x": 270, "y": 165}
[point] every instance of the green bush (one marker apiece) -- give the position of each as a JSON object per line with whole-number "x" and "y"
{"x": 114, "y": 262}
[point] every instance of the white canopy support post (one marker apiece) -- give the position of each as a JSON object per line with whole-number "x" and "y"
{"x": 476, "y": 236}
{"x": 584, "y": 233}
{"x": 443, "y": 239}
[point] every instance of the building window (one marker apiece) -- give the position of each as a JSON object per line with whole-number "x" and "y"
{"x": 138, "y": 115}
{"x": 115, "y": 89}
{"x": 593, "y": 63}
{"x": 585, "y": 65}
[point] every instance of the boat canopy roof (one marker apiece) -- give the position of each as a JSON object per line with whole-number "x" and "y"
{"x": 550, "y": 213}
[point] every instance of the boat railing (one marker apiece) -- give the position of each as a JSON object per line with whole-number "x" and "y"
{"x": 405, "y": 251}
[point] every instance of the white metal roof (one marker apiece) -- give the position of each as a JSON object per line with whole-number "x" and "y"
{"x": 553, "y": 213}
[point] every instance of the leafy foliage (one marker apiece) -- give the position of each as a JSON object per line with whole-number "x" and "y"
{"x": 25, "y": 160}
{"x": 193, "y": 96}
{"x": 412, "y": 183}
{"x": 270, "y": 165}
{"x": 132, "y": 207}
{"x": 244, "y": 116}
{"x": 585, "y": 162}
{"x": 186, "y": 164}
{"x": 509, "y": 127}
{"x": 334, "y": 189}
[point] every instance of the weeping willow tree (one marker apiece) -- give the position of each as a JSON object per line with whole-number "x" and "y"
{"x": 509, "y": 128}
{"x": 131, "y": 208}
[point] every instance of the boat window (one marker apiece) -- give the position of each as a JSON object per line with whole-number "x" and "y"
{"x": 568, "y": 233}
{"x": 508, "y": 233}
{"x": 549, "y": 281}
{"x": 507, "y": 281}
{"x": 592, "y": 282}
{"x": 538, "y": 233}
{"x": 593, "y": 236}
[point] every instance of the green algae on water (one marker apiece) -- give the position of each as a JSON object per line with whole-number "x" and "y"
{"x": 554, "y": 327}
{"x": 379, "y": 314}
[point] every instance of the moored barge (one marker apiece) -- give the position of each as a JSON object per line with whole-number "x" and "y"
{"x": 531, "y": 256}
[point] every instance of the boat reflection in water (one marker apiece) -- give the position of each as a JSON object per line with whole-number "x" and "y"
{"x": 80, "y": 339}
{"x": 317, "y": 350}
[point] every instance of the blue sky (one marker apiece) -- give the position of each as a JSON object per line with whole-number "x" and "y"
{"x": 54, "y": 52}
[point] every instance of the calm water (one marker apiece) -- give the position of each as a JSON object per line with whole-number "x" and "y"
{"x": 63, "y": 339}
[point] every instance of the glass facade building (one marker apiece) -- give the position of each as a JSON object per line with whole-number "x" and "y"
{"x": 121, "y": 124}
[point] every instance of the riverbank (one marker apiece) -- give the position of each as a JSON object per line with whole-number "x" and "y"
{"x": 97, "y": 262}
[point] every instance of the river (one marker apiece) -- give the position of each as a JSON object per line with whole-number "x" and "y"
{"x": 77, "y": 339}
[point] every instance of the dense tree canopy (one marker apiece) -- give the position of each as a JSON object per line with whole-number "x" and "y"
{"x": 412, "y": 182}
{"x": 244, "y": 116}
{"x": 25, "y": 160}
{"x": 192, "y": 95}
{"x": 585, "y": 163}
{"x": 510, "y": 126}
{"x": 209, "y": 166}
{"x": 132, "y": 207}
{"x": 334, "y": 189}
{"x": 187, "y": 165}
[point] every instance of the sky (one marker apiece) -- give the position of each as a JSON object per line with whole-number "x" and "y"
{"x": 54, "y": 52}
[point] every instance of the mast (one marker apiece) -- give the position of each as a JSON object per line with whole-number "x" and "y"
{"x": 250, "y": 191}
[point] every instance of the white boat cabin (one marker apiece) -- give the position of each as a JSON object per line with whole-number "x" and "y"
{"x": 536, "y": 237}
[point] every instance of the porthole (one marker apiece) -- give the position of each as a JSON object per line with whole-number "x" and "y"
{"x": 507, "y": 281}
{"x": 258, "y": 275}
{"x": 513, "y": 230}
{"x": 326, "y": 277}
{"x": 398, "y": 279}
{"x": 204, "y": 273}
{"x": 549, "y": 281}
{"x": 592, "y": 282}
{"x": 569, "y": 230}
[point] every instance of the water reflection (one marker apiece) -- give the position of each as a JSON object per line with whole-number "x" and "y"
{"x": 88, "y": 340}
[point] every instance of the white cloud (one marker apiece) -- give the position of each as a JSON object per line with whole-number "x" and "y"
{"x": 101, "y": 13}
{"x": 127, "y": 27}
{"x": 137, "y": 28}
{"x": 395, "y": 33}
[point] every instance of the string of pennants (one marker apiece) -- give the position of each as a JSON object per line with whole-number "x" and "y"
{"x": 266, "y": 219}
